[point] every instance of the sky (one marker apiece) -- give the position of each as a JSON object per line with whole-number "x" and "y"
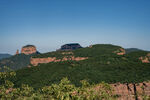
{"x": 48, "y": 24}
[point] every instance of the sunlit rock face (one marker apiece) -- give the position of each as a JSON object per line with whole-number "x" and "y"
{"x": 36, "y": 61}
{"x": 28, "y": 49}
{"x": 145, "y": 59}
{"x": 120, "y": 51}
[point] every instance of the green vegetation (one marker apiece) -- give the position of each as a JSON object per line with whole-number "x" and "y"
{"x": 94, "y": 51}
{"x": 16, "y": 61}
{"x": 102, "y": 65}
{"x": 57, "y": 54}
{"x": 46, "y": 81}
{"x": 97, "y": 51}
{"x": 129, "y": 50}
{"x": 64, "y": 90}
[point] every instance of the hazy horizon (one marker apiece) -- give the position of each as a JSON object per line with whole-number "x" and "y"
{"x": 49, "y": 24}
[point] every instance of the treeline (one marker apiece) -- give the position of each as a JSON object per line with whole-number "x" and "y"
{"x": 64, "y": 90}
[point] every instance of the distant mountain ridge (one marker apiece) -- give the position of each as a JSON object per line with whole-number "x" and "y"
{"x": 128, "y": 50}
{"x": 22, "y": 60}
{"x": 4, "y": 56}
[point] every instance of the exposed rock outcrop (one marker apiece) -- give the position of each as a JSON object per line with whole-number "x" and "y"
{"x": 36, "y": 61}
{"x": 66, "y": 53}
{"x": 120, "y": 51}
{"x": 28, "y": 49}
{"x": 130, "y": 91}
{"x": 145, "y": 59}
{"x": 17, "y": 52}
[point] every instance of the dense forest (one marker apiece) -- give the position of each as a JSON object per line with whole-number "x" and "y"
{"x": 102, "y": 65}
{"x": 63, "y": 90}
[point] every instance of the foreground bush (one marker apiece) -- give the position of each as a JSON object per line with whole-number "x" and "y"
{"x": 62, "y": 91}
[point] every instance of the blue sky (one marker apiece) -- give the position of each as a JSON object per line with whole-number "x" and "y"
{"x": 48, "y": 24}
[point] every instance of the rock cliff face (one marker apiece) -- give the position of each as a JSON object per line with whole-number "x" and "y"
{"x": 120, "y": 51}
{"x": 130, "y": 91}
{"x": 36, "y": 61}
{"x": 28, "y": 49}
{"x": 17, "y": 52}
{"x": 145, "y": 59}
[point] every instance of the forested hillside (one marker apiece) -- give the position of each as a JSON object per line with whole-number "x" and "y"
{"x": 16, "y": 62}
{"x": 103, "y": 64}
{"x": 128, "y": 50}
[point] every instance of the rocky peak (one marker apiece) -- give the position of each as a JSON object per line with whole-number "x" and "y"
{"x": 70, "y": 46}
{"x": 17, "y": 52}
{"x": 28, "y": 49}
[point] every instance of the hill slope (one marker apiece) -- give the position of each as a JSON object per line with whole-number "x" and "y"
{"x": 128, "y": 50}
{"x": 103, "y": 64}
{"x": 16, "y": 61}
{"x": 4, "y": 56}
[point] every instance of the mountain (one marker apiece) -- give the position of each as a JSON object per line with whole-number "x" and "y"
{"x": 70, "y": 46}
{"x": 20, "y": 60}
{"x": 104, "y": 62}
{"x": 128, "y": 50}
{"x": 5, "y": 56}
{"x": 29, "y": 49}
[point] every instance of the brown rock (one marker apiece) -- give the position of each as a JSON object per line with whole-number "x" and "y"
{"x": 144, "y": 59}
{"x": 36, "y": 61}
{"x": 28, "y": 49}
{"x": 17, "y": 52}
{"x": 120, "y": 51}
{"x": 128, "y": 91}
{"x": 64, "y": 53}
